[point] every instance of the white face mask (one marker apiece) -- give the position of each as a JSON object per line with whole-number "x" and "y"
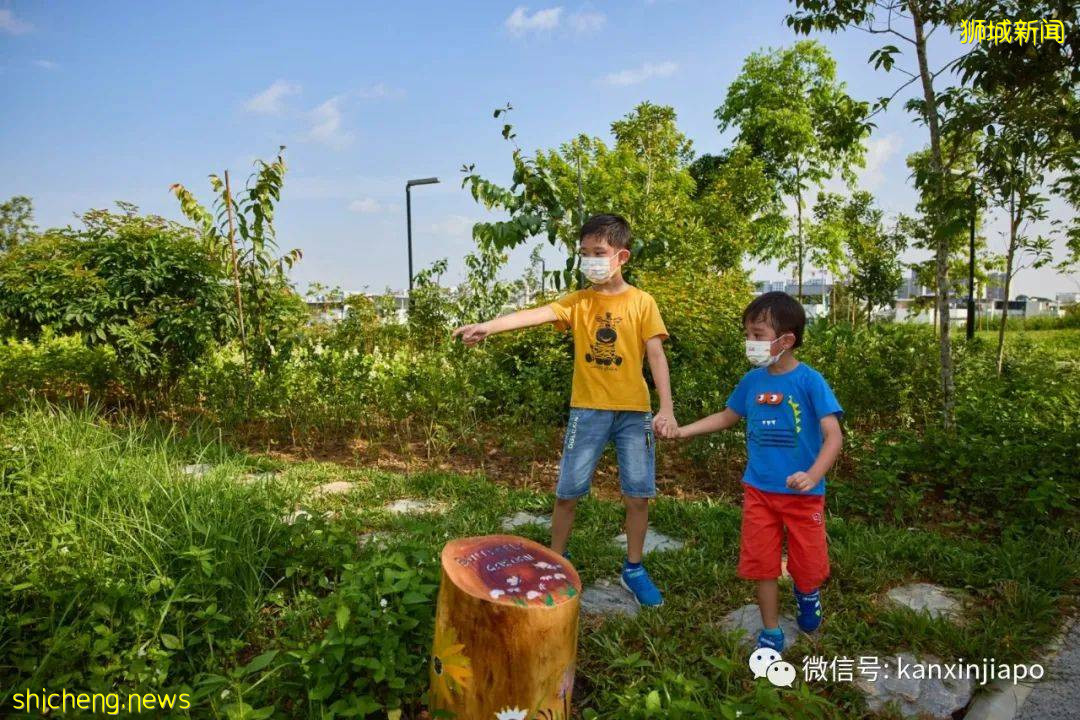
{"x": 596, "y": 269}
{"x": 759, "y": 352}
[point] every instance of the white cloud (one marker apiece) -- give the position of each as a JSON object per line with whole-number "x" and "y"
{"x": 271, "y": 100}
{"x": 647, "y": 71}
{"x": 369, "y": 205}
{"x": 521, "y": 22}
{"x": 454, "y": 226}
{"x": 46, "y": 64}
{"x": 378, "y": 91}
{"x": 585, "y": 21}
{"x": 326, "y": 124}
{"x": 878, "y": 153}
{"x": 13, "y": 25}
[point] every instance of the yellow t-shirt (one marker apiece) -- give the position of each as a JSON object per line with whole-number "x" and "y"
{"x": 609, "y": 346}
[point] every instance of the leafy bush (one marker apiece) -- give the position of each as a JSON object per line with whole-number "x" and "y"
{"x": 57, "y": 369}
{"x": 142, "y": 286}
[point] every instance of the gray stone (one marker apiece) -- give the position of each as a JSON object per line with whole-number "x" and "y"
{"x": 410, "y": 506}
{"x": 379, "y": 539}
{"x": 523, "y": 518}
{"x": 253, "y": 478}
{"x": 914, "y": 697}
{"x": 295, "y": 516}
{"x": 1001, "y": 701}
{"x": 654, "y": 542}
{"x": 333, "y": 488}
{"x": 197, "y": 470}
{"x": 748, "y": 619}
{"x": 926, "y": 597}
{"x": 608, "y": 597}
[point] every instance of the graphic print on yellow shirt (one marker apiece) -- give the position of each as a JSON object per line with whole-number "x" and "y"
{"x": 609, "y": 333}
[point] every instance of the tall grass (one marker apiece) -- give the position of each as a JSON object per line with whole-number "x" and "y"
{"x": 113, "y": 557}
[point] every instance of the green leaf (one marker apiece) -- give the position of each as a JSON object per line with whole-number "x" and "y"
{"x": 342, "y": 616}
{"x": 171, "y": 642}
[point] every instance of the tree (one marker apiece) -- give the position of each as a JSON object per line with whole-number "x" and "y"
{"x": 883, "y": 17}
{"x": 142, "y": 285}
{"x": 872, "y": 254}
{"x": 645, "y": 175}
{"x": 791, "y": 112}
{"x": 1039, "y": 82}
{"x": 739, "y": 203}
{"x": 16, "y": 222}
{"x": 240, "y": 233}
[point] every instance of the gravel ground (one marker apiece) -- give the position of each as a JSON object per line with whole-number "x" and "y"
{"x": 1058, "y": 695}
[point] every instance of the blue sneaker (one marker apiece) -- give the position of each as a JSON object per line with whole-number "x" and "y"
{"x": 772, "y": 639}
{"x": 640, "y": 585}
{"x": 809, "y": 617}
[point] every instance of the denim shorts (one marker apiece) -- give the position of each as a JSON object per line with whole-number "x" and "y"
{"x": 587, "y": 434}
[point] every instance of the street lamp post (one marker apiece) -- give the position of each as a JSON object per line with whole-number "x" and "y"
{"x": 408, "y": 219}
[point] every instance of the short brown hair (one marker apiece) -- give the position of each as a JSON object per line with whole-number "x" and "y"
{"x": 613, "y": 229}
{"x": 780, "y": 311}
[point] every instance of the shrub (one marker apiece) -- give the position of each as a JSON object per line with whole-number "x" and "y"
{"x": 142, "y": 286}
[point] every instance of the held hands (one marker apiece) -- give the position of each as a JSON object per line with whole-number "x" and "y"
{"x": 802, "y": 482}
{"x": 472, "y": 334}
{"x": 665, "y": 426}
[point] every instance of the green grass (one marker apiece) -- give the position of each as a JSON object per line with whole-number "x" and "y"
{"x": 118, "y": 571}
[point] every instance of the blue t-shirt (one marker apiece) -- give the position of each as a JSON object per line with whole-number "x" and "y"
{"x": 783, "y": 424}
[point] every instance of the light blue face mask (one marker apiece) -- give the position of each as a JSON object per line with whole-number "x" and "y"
{"x": 759, "y": 352}
{"x": 596, "y": 269}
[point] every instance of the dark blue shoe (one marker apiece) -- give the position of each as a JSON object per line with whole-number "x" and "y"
{"x": 773, "y": 641}
{"x": 640, "y": 585}
{"x": 809, "y": 617}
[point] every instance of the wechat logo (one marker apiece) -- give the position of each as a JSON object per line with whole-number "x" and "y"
{"x": 766, "y": 662}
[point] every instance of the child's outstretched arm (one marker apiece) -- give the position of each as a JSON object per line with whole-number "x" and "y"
{"x": 664, "y": 422}
{"x": 832, "y": 441}
{"x": 722, "y": 420}
{"x": 472, "y": 334}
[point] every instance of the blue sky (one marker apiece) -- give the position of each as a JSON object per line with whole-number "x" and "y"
{"x": 117, "y": 100}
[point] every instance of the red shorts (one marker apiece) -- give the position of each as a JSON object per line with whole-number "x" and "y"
{"x": 765, "y": 518}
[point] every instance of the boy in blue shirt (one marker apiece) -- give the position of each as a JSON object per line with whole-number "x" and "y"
{"x": 793, "y": 437}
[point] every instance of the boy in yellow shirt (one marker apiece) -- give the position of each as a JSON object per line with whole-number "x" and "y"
{"x": 615, "y": 326}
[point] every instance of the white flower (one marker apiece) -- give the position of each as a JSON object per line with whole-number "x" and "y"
{"x": 513, "y": 580}
{"x": 545, "y": 565}
{"x": 511, "y": 714}
{"x": 496, "y": 593}
{"x": 559, "y": 576}
{"x": 382, "y": 602}
{"x": 532, "y": 595}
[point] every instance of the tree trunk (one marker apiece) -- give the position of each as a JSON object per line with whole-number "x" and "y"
{"x": 942, "y": 264}
{"x": 798, "y": 215}
{"x": 506, "y": 628}
{"x": 235, "y": 268}
{"x": 1010, "y": 256}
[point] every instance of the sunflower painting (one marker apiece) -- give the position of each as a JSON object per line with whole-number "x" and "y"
{"x": 450, "y": 671}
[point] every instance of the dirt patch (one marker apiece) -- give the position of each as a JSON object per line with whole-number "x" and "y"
{"x": 508, "y": 463}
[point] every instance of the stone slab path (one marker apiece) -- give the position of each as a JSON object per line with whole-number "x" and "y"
{"x": 654, "y": 542}
{"x": 748, "y": 619}
{"x": 339, "y": 487}
{"x": 926, "y": 597}
{"x": 915, "y": 697}
{"x": 521, "y": 519}
{"x": 409, "y": 506}
{"x": 608, "y": 597}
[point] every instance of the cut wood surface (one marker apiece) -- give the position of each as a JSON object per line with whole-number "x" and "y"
{"x": 505, "y": 630}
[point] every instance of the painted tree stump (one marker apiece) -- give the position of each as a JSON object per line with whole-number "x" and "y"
{"x": 506, "y": 628}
